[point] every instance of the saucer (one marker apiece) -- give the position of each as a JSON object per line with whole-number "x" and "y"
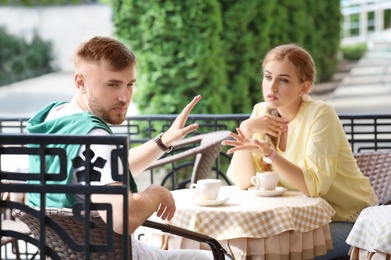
{"x": 210, "y": 203}
{"x": 267, "y": 193}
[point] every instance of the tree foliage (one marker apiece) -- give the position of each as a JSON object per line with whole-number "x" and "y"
{"x": 215, "y": 48}
{"x": 179, "y": 53}
{"x": 22, "y": 60}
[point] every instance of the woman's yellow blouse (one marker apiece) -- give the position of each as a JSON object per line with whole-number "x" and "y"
{"x": 318, "y": 145}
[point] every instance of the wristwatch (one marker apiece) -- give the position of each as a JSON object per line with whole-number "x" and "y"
{"x": 269, "y": 159}
{"x": 158, "y": 141}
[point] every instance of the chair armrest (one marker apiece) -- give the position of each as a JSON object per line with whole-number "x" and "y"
{"x": 176, "y": 157}
{"x": 192, "y": 151}
{"x": 217, "y": 249}
{"x": 189, "y": 140}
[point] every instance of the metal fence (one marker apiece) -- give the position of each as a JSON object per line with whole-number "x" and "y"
{"x": 60, "y": 239}
{"x": 364, "y": 132}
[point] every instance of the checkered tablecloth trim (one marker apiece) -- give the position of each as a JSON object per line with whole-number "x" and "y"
{"x": 372, "y": 230}
{"x": 255, "y": 223}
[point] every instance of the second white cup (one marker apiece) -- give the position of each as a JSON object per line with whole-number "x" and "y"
{"x": 265, "y": 180}
{"x": 206, "y": 189}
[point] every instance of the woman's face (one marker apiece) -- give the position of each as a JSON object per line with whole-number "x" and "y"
{"x": 282, "y": 88}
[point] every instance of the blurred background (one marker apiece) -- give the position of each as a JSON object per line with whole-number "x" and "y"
{"x": 208, "y": 47}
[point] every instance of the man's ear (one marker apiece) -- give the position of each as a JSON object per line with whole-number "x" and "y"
{"x": 79, "y": 82}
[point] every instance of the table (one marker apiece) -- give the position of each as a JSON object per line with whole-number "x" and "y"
{"x": 370, "y": 237}
{"x": 291, "y": 226}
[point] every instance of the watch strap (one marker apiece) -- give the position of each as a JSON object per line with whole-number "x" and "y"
{"x": 269, "y": 159}
{"x": 159, "y": 142}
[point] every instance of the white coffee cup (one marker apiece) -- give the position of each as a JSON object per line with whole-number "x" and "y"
{"x": 206, "y": 189}
{"x": 265, "y": 180}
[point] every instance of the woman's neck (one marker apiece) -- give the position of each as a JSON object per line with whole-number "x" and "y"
{"x": 289, "y": 113}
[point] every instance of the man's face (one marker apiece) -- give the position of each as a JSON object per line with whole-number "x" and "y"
{"x": 108, "y": 93}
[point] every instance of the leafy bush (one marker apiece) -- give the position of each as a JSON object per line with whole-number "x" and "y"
{"x": 44, "y": 2}
{"x": 354, "y": 52}
{"x": 215, "y": 48}
{"x": 21, "y": 60}
{"x": 179, "y": 54}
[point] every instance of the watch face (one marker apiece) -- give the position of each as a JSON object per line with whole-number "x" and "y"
{"x": 267, "y": 160}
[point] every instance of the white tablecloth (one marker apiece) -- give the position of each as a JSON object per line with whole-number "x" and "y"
{"x": 371, "y": 233}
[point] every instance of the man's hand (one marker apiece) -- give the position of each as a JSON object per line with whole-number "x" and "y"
{"x": 141, "y": 206}
{"x": 161, "y": 197}
{"x": 178, "y": 129}
{"x": 142, "y": 156}
{"x": 167, "y": 206}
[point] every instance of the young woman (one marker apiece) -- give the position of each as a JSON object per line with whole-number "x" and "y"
{"x": 303, "y": 140}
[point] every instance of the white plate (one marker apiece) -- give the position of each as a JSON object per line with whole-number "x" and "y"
{"x": 210, "y": 203}
{"x": 267, "y": 193}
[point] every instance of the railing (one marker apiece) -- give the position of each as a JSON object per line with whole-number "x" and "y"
{"x": 55, "y": 235}
{"x": 364, "y": 132}
{"x": 368, "y": 132}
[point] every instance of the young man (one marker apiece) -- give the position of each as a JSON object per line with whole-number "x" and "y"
{"x": 105, "y": 75}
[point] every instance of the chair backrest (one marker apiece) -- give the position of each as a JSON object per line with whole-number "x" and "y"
{"x": 65, "y": 236}
{"x": 70, "y": 235}
{"x": 376, "y": 165}
{"x": 209, "y": 150}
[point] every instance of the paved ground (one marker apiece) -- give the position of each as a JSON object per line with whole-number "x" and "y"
{"x": 24, "y": 99}
{"x": 367, "y": 88}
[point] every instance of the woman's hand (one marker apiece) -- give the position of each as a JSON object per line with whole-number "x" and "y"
{"x": 242, "y": 143}
{"x": 268, "y": 124}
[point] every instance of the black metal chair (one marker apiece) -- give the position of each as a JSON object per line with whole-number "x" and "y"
{"x": 68, "y": 233}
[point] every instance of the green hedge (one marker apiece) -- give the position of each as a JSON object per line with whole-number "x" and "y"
{"x": 45, "y": 2}
{"x": 179, "y": 51}
{"x": 215, "y": 48}
{"x": 354, "y": 52}
{"x": 22, "y": 60}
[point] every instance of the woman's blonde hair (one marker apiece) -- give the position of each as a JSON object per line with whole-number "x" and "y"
{"x": 298, "y": 57}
